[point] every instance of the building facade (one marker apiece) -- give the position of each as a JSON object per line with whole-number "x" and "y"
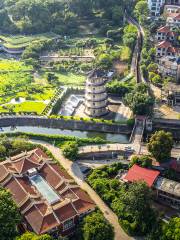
{"x": 155, "y": 7}
{"x": 165, "y": 48}
{"x": 169, "y": 66}
{"x": 96, "y": 98}
{"x": 164, "y": 33}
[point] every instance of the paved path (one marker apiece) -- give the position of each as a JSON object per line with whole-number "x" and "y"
{"x": 73, "y": 169}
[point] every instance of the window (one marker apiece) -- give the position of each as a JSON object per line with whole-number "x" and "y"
{"x": 68, "y": 224}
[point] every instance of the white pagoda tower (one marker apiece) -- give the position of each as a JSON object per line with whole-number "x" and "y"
{"x": 96, "y": 98}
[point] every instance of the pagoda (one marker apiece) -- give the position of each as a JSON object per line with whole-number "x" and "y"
{"x": 96, "y": 98}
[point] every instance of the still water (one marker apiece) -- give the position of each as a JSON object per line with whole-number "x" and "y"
{"x": 120, "y": 138}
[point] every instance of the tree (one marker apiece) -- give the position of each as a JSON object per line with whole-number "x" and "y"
{"x": 160, "y": 145}
{"x": 143, "y": 161}
{"x": 9, "y": 216}
{"x": 33, "y": 236}
{"x": 134, "y": 210}
{"x": 70, "y": 150}
{"x": 139, "y": 101}
{"x": 95, "y": 227}
{"x": 171, "y": 230}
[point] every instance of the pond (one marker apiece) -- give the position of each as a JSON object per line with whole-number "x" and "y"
{"x": 120, "y": 138}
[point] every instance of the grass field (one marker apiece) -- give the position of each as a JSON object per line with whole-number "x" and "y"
{"x": 71, "y": 79}
{"x": 19, "y": 41}
{"x": 16, "y": 80}
{"x": 12, "y": 65}
{"x": 37, "y": 107}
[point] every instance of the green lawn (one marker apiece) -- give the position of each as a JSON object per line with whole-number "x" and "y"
{"x": 19, "y": 41}
{"x": 13, "y": 65}
{"x": 71, "y": 79}
{"x": 37, "y": 107}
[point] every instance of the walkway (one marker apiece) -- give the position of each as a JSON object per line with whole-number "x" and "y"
{"x": 135, "y": 142}
{"x": 75, "y": 172}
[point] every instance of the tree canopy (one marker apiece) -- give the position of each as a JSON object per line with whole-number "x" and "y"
{"x": 94, "y": 226}
{"x": 9, "y": 216}
{"x": 32, "y": 236}
{"x": 160, "y": 145}
{"x": 60, "y": 16}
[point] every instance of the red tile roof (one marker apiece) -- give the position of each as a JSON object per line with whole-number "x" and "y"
{"x": 164, "y": 29}
{"x": 137, "y": 173}
{"x": 39, "y": 214}
{"x": 164, "y": 44}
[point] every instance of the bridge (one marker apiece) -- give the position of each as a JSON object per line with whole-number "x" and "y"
{"x": 134, "y": 143}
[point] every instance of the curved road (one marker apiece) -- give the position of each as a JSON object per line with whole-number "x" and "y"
{"x": 74, "y": 171}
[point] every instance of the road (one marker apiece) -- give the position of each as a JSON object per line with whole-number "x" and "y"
{"x": 74, "y": 171}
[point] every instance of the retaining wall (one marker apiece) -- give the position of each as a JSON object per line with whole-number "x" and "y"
{"x": 64, "y": 124}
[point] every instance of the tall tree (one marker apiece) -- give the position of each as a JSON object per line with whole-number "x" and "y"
{"x": 9, "y": 216}
{"x": 134, "y": 209}
{"x": 160, "y": 146}
{"x": 95, "y": 227}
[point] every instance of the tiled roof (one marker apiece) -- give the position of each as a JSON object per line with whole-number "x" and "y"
{"x": 164, "y": 29}
{"x": 164, "y": 44}
{"x": 38, "y": 212}
{"x": 137, "y": 173}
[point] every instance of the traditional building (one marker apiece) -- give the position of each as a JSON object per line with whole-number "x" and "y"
{"x": 96, "y": 98}
{"x": 165, "y": 190}
{"x": 48, "y": 199}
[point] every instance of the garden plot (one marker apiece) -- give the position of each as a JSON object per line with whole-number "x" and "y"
{"x": 18, "y": 90}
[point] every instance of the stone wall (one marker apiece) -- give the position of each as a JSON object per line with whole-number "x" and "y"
{"x": 64, "y": 124}
{"x": 170, "y": 125}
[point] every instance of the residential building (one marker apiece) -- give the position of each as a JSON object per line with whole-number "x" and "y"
{"x": 165, "y": 190}
{"x": 96, "y": 98}
{"x": 170, "y": 66}
{"x": 171, "y": 9}
{"x": 173, "y": 20}
{"x": 165, "y": 48}
{"x": 173, "y": 2}
{"x": 156, "y": 6}
{"x": 164, "y": 33}
{"x": 48, "y": 199}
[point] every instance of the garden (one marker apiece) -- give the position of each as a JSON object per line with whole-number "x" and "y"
{"x": 19, "y": 91}
{"x": 21, "y": 41}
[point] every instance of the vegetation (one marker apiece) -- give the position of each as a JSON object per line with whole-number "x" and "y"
{"x": 10, "y": 147}
{"x": 32, "y": 236}
{"x": 70, "y": 150}
{"x": 9, "y": 217}
{"x": 139, "y": 100}
{"x": 131, "y": 203}
{"x": 160, "y": 146}
{"x": 120, "y": 88}
{"x": 143, "y": 161}
{"x": 171, "y": 230}
{"x": 94, "y": 226}
{"x": 60, "y": 16}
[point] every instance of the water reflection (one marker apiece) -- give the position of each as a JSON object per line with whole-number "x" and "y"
{"x": 120, "y": 138}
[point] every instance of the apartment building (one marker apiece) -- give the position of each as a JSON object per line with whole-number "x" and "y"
{"x": 164, "y": 33}
{"x": 170, "y": 66}
{"x": 165, "y": 48}
{"x": 155, "y": 7}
